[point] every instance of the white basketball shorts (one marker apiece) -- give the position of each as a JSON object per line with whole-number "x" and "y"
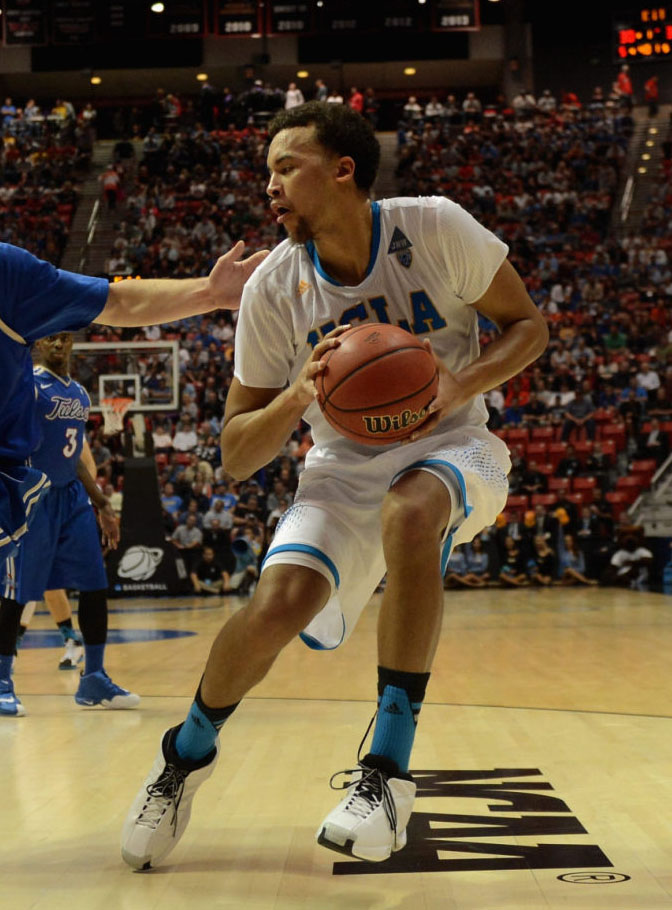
{"x": 334, "y": 525}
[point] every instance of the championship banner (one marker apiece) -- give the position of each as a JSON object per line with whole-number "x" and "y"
{"x": 289, "y": 18}
{"x": 455, "y": 15}
{"x": 25, "y": 22}
{"x": 238, "y": 18}
{"x": 179, "y": 19}
{"x": 73, "y": 21}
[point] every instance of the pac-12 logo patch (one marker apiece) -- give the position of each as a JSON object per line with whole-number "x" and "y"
{"x": 139, "y": 563}
{"x": 405, "y": 258}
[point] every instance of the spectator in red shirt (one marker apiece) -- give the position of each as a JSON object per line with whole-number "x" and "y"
{"x": 651, "y": 95}
{"x": 356, "y": 100}
{"x": 624, "y": 86}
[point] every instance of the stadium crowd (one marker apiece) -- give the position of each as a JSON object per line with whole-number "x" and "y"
{"x": 587, "y": 425}
{"x": 42, "y": 157}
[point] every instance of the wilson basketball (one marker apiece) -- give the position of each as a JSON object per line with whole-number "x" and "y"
{"x": 378, "y": 384}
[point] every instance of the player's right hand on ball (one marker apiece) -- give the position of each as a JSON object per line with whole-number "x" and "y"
{"x": 305, "y": 381}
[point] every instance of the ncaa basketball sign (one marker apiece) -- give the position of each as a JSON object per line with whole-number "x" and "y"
{"x": 145, "y": 563}
{"x": 139, "y": 563}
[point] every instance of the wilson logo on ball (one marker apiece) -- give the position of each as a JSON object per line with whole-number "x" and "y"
{"x": 377, "y": 384}
{"x": 385, "y": 423}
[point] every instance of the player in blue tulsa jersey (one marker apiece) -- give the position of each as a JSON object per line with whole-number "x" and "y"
{"x": 37, "y": 300}
{"x": 360, "y": 511}
{"x": 62, "y": 549}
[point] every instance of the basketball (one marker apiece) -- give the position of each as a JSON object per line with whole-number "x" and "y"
{"x": 377, "y": 385}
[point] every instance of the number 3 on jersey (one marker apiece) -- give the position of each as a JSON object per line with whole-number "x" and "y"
{"x": 71, "y": 445}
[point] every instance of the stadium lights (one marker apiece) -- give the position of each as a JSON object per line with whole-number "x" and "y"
{"x": 409, "y": 71}
{"x": 202, "y": 77}
{"x": 641, "y": 170}
{"x": 157, "y": 7}
{"x": 95, "y": 80}
{"x": 303, "y": 74}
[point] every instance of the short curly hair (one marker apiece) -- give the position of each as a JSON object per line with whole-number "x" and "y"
{"x": 340, "y": 130}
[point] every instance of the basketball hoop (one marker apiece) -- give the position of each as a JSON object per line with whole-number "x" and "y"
{"x": 114, "y": 410}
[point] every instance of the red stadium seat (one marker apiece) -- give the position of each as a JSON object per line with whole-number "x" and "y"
{"x": 583, "y": 487}
{"x": 515, "y": 501}
{"x": 583, "y": 449}
{"x": 630, "y": 482}
{"x": 603, "y": 415}
{"x": 644, "y": 466}
{"x": 536, "y": 451}
{"x": 543, "y": 499}
{"x": 618, "y": 502}
{"x": 546, "y": 469}
{"x": 542, "y": 434}
{"x": 583, "y": 483}
{"x": 609, "y": 449}
{"x": 613, "y": 431}
{"x": 556, "y": 452}
{"x": 517, "y": 434}
{"x": 558, "y": 484}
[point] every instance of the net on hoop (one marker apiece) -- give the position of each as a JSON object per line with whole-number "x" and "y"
{"x": 114, "y": 410}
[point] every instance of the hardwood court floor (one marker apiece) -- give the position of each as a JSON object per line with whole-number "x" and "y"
{"x": 544, "y": 758}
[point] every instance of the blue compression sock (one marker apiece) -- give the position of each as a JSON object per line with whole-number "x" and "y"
{"x": 93, "y": 658}
{"x": 198, "y": 734}
{"x": 399, "y": 701}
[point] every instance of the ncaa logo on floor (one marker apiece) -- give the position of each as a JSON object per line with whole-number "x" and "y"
{"x": 433, "y": 836}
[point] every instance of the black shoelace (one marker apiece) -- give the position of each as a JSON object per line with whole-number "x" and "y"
{"x": 369, "y": 792}
{"x": 168, "y": 789}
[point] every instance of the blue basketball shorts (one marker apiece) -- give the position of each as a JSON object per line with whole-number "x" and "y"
{"x": 21, "y": 490}
{"x": 61, "y": 550}
{"x": 334, "y": 525}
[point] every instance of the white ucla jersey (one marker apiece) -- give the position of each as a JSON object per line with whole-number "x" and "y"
{"x": 429, "y": 260}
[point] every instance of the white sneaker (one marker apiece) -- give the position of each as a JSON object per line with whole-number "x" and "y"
{"x": 73, "y": 654}
{"x": 161, "y": 810}
{"x": 370, "y": 822}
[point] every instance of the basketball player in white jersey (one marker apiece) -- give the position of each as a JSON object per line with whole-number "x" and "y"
{"x": 421, "y": 263}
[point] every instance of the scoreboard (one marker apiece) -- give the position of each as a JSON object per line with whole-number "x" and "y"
{"x": 644, "y": 33}
{"x": 82, "y": 22}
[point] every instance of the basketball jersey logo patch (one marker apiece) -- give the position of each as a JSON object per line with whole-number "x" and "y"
{"x": 399, "y": 242}
{"x": 405, "y": 258}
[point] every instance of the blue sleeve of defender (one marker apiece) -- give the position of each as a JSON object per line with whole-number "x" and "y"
{"x": 37, "y": 299}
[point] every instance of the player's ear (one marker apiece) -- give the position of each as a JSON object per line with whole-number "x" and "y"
{"x": 345, "y": 169}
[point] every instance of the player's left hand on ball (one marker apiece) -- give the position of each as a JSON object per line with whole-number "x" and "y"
{"x": 109, "y": 526}
{"x": 315, "y": 364}
{"x": 230, "y": 273}
{"x": 449, "y": 397}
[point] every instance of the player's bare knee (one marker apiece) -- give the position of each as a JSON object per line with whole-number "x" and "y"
{"x": 286, "y": 601}
{"x": 410, "y": 519}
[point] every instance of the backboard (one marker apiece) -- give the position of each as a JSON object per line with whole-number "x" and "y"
{"x": 146, "y": 371}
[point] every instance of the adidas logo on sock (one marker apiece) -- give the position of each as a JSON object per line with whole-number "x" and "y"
{"x": 392, "y": 708}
